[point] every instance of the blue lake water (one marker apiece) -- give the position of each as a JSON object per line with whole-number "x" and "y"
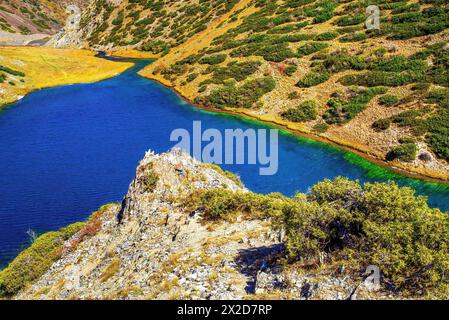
{"x": 66, "y": 151}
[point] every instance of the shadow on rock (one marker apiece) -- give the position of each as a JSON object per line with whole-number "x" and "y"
{"x": 251, "y": 261}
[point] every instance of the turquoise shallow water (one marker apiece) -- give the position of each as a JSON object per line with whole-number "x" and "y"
{"x": 68, "y": 150}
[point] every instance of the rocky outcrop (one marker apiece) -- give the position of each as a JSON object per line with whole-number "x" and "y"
{"x": 152, "y": 247}
{"x": 35, "y": 17}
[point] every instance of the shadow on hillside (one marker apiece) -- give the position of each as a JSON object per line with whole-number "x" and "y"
{"x": 251, "y": 261}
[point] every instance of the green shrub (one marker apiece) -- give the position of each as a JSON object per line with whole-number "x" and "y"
{"x": 244, "y": 96}
{"x": 215, "y": 59}
{"x": 438, "y": 137}
{"x": 226, "y": 204}
{"x": 33, "y": 262}
{"x": 354, "y": 37}
{"x": 342, "y": 61}
{"x": 238, "y": 71}
{"x": 388, "y": 100}
{"x": 276, "y": 53}
{"x": 311, "y": 47}
{"x": 326, "y": 36}
{"x": 405, "y": 152}
{"x": 407, "y": 118}
{"x": 421, "y": 86}
{"x": 320, "y": 127}
{"x": 381, "y": 78}
{"x": 381, "y": 125}
{"x": 343, "y": 109}
{"x": 291, "y": 69}
{"x": 11, "y": 71}
{"x": 399, "y": 64}
{"x": 293, "y": 95}
{"x": 306, "y": 111}
{"x": 407, "y": 140}
{"x": 150, "y": 180}
{"x": 350, "y": 20}
{"x": 155, "y": 47}
{"x": 378, "y": 224}
{"x": 438, "y": 73}
{"x": 192, "y": 77}
{"x": 313, "y": 79}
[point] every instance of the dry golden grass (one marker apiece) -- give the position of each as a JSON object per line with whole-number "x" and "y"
{"x": 111, "y": 270}
{"x": 196, "y": 43}
{"x": 47, "y": 67}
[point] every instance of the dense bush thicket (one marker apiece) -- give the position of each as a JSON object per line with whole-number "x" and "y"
{"x": 381, "y": 124}
{"x": 306, "y": 111}
{"x": 388, "y": 100}
{"x": 438, "y": 124}
{"x": 311, "y": 47}
{"x": 242, "y": 96}
{"x": 405, "y": 152}
{"x": 376, "y": 224}
{"x": 329, "y": 64}
{"x": 4, "y": 71}
{"x": 343, "y": 108}
{"x": 215, "y": 59}
{"x": 234, "y": 70}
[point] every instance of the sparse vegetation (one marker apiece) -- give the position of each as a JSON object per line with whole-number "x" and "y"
{"x": 150, "y": 180}
{"x": 343, "y": 108}
{"x": 34, "y": 261}
{"x": 388, "y": 100}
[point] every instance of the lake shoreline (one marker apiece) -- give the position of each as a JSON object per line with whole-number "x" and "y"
{"x": 396, "y": 168}
{"x": 9, "y": 104}
{"x": 372, "y": 158}
{"x": 73, "y": 56}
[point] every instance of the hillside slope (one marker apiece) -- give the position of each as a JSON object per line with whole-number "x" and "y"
{"x": 308, "y": 65}
{"x": 33, "y": 21}
{"x": 313, "y": 67}
{"x": 153, "y": 26}
{"x": 187, "y": 230}
{"x": 34, "y": 17}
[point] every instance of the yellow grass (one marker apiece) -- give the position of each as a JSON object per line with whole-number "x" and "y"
{"x": 47, "y": 67}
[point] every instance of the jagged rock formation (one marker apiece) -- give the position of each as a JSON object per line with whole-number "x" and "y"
{"x": 151, "y": 247}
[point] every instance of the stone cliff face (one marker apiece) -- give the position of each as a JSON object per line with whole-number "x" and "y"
{"x": 152, "y": 247}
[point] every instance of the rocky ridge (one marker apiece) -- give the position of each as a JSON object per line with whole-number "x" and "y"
{"x": 150, "y": 247}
